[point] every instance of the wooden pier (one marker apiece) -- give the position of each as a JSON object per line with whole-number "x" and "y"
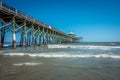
{"x": 33, "y": 32}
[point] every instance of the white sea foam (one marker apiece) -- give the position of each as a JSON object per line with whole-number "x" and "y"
{"x": 75, "y": 56}
{"x": 84, "y": 47}
{"x": 58, "y": 46}
{"x": 2, "y": 51}
{"x": 16, "y": 54}
{"x": 64, "y": 55}
{"x": 27, "y": 64}
{"x": 7, "y": 45}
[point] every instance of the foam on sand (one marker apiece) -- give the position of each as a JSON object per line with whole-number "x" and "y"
{"x": 27, "y": 64}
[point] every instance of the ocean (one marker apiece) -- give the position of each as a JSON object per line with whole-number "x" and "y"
{"x": 76, "y": 61}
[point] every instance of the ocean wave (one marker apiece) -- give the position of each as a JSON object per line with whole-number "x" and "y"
{"x": 84, "y": 47}
{"x": 64, "y": 55}
{"x": 58, "y": 46}
{"x": 74, "y": 56}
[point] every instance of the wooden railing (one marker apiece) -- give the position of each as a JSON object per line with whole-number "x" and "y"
{"x": 19, "y": 13}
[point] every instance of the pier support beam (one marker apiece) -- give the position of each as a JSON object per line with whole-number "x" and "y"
{"x": 47, "y": 37}
{"x": 39, "y": 36}
{"x": 44, "y": 38}
{"x": 2, "y": 35}
{"x": 29, "y": 38}
{"x": 14, "y": 34}
{"x": 21, "y": 39}
{"x": 25, "y": 35}
{"x": 14, "y": 40}
{"x": 33, "y": 36}
{"x": 40, "y": 39}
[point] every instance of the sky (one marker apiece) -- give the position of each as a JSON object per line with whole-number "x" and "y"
{"x": 94, "y": 20}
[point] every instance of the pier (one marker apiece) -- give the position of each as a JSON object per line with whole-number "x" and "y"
{"x": 32, "y": 31}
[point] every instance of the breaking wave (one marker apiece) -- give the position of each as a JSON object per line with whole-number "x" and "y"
{"x": 84, "y": 47}
{"x": 64, "y": 55}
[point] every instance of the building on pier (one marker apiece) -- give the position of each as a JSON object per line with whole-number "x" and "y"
{"x": 75, "y": 39}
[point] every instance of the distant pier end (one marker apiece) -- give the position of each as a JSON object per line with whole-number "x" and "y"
{"x": 75, "y": 38}
{"x": 32, "y": 31}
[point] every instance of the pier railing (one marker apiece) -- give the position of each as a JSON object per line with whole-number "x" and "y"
{"x": 21, "y": 14}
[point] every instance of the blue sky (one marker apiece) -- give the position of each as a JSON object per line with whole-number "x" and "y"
{"x": 95, "y": 20}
